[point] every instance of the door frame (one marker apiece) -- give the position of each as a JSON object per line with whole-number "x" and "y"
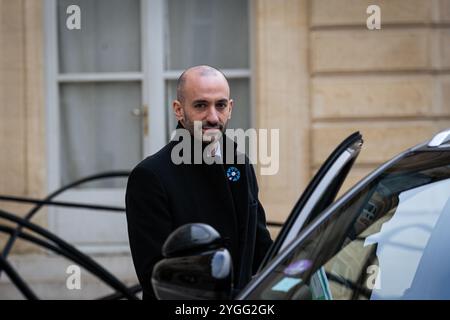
{"x": 152, "y": 96}
{"x": 152, "y": 77}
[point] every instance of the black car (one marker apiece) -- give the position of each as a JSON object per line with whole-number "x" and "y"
{"x": 388, "y": 237}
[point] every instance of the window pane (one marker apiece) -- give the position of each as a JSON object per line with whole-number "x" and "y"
{"x": 213, "y": 32}
{"x": 109, "y": 39}
{"x": 239, "y": 91}
{"x": 98, "y": 131}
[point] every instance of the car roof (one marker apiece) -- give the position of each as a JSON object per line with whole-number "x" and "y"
{"x": 441, "y": 141}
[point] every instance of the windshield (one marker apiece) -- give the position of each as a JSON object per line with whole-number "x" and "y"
{"x": 389, "y": 241}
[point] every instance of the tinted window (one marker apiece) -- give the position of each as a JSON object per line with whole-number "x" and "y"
{"x": 389, "y": 241}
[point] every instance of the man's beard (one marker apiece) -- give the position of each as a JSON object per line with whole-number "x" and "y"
{"x": 214, "y": 132}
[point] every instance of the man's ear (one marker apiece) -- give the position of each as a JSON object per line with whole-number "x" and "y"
{"x": 178, "y": 110}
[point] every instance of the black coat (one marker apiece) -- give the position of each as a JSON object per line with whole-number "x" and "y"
{"x": 162, "y": 196}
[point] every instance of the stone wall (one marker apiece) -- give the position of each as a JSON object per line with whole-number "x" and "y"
{"x": 321, "y": 75}
{"x": 22, "y": 117}
{"x": 281, "y": 80}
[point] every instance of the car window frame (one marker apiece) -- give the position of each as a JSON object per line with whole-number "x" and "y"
{"x": 325, "y": 215}
{"x": 318, "y": 195}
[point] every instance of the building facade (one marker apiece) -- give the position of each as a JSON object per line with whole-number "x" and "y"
{"x": 72, "y": 101}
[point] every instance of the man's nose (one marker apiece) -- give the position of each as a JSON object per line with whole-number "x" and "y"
{"x": 212, "y": 116}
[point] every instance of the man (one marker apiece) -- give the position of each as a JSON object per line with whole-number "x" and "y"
{"x": 162, "y": 195}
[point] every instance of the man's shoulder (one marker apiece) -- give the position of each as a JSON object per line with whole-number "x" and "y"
{"x": 157, "y": 162}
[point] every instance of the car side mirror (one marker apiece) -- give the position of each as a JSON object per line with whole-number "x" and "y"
{"x": 196, "y": 265}
{"x": 191, "y": 238}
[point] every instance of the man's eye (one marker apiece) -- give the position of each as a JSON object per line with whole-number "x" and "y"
{"x": 221, "y": 105}
{"x": 200, "y": 105}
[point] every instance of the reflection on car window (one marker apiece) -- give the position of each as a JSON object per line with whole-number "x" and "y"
{"x": 389, "y": 241}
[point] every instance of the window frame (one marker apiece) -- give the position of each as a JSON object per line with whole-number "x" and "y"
{"x": 53, "y": 79}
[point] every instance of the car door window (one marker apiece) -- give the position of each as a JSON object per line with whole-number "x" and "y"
{"x": 319, "y": 194}
{"x": 388, "y": 241}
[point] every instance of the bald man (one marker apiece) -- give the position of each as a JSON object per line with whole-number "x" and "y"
{"x": 163, "y": 194}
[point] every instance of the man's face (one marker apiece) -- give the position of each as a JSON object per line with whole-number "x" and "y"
{"x": 206, "y": 99}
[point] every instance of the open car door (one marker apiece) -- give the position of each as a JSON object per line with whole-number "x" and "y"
{"x": 319, "y": 194}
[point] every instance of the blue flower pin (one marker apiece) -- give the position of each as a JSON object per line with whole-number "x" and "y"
{"x": 233, "y": 174}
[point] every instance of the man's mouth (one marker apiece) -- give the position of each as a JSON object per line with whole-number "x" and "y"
{"x": 210, "y": 128}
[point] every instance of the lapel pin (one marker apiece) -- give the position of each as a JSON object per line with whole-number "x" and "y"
{"x": 233, "y": 174}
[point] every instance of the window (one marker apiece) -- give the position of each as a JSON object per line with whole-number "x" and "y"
{"x": 99, "y": 68}
{"x": 205, "y": 32}
{"x": 95, "y": 96}
{"x": 109, "y": 91}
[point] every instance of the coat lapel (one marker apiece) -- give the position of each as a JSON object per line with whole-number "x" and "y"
{"x": 240, "y": 193}
{"x": 220, "y": 201}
